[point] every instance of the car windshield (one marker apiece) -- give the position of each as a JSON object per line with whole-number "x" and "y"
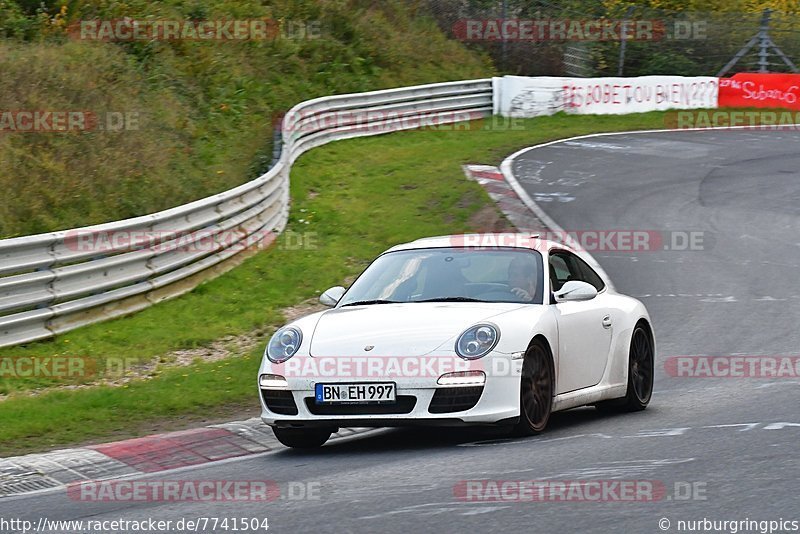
{"x": 450, "y": 275}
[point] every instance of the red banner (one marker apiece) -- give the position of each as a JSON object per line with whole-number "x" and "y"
{"x": 752, "y": 90}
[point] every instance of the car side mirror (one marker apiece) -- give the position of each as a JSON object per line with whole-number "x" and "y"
{"x": 575, "y": 291}
{"x": 332, "y": 296}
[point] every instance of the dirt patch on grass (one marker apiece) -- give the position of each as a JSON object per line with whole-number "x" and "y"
{"x": 490, "y": 219}
{"x": 221, "y": 349}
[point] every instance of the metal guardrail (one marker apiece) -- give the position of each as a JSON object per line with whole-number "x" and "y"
{"x": 50, "y": 284}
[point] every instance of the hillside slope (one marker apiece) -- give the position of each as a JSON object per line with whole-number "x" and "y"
{"x": 196, "y": 116}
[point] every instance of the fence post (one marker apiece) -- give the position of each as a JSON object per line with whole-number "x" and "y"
{"x": 763, "y": 42}
{"x": 623, "y": 42}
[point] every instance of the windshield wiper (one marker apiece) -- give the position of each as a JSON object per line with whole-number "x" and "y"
{"x": 365, "y": 302}
{"x": 450, "y": 299}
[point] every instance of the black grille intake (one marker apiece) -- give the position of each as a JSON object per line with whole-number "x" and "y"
{"x": 279, "y": 401}
{"x": 455, "y": 399}
{"x": 404, "y": 404}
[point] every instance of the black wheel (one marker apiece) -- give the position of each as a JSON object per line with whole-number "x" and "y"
{"x": 536, "y": 390}
{"x": 302, "y": 438}
{"x": 641, "y": 366}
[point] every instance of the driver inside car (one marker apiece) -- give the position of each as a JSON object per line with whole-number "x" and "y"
{"x": 522, "y": 278}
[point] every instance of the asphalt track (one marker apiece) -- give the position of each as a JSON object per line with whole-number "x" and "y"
{"x": 736, "y": 295}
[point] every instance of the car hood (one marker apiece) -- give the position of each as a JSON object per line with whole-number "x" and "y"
{"x": 408, "y": 329}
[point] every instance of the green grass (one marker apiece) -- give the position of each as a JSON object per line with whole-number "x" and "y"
{"x": 359, "y": 197}
{"x": 204, "y": 110}
{"x": 178, "y": 395}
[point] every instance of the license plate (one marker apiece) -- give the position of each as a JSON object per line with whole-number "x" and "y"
{"x": 382, "y": 392}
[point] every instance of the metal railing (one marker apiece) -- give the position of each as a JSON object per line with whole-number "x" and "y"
{"x": 51, "y": 283}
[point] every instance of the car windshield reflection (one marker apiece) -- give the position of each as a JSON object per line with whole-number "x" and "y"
{"x": 450, "y": 275}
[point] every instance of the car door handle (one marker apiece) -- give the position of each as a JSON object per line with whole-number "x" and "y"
{"x": 607, "y": 321}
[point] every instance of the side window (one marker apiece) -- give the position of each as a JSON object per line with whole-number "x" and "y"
{"x": 588, "y": 274}
{"x": 559, "y": 272}
{"x": 565, "y": 266}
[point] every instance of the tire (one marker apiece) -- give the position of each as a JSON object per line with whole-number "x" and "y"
{"x": 641, "y": 367}
{"x": 536, "y": 390}
{"x": 302, "y": 438}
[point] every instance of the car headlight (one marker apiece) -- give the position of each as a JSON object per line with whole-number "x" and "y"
{"x": 477, "y": 341}
{"x": 284, "y": 344}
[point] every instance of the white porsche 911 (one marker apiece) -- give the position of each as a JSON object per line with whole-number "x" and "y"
{"x": 498, "y": 329}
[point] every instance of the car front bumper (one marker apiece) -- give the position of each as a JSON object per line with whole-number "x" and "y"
{"x": 419, "y": 401}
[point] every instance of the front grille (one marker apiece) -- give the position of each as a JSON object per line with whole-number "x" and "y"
{"x": 455, "y": 399}
{"x": 404, "y": 404}
{"x": 279, "y": 401}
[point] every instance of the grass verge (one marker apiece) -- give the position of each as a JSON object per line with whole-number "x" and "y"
{"x": 180, "y": 119}
{"x": 350, "y": 201}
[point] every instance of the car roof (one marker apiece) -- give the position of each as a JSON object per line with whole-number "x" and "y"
{"x": 522, "y": 240}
